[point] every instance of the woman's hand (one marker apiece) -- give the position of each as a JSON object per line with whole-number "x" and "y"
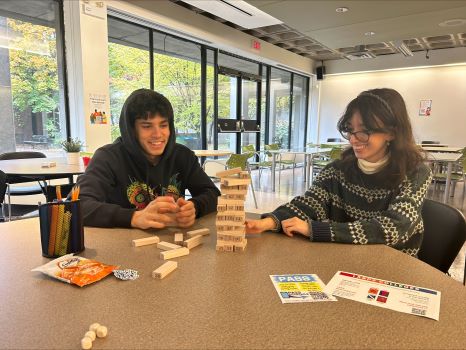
{"x": 259, "y": 226}
{"x": 187, "y": 214}
{"x": 295, "y": 225}
{"x": 159, "y": 213}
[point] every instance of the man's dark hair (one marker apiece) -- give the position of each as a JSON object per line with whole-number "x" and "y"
{"x": 148, "y": 104}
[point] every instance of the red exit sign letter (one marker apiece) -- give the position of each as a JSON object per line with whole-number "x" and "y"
{"x": 256, "y": 45}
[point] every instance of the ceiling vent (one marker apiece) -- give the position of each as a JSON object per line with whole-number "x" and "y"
{"x": 238, "y": 12}
{"x": 360, "y": 53}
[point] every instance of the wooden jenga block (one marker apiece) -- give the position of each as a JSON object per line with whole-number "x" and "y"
{"x": 193, "y": 242}
{"x": 230, "y": 238}
{"x": 227, "y": 228}
{"x": 240, "y": 247}
{"x": 201, "y": 231}
{"x": 222, "y": 222}
{"x": 234, "y": 182}
{"x": 241, "y": 197}
{"x": 145, "y": 241}
{"x": 167, "y": 246}
{"x": 178, "y": 239}
{"x": 228, "y": 172}
{"x": 234, "y": 190}
{"x": 230, "y": 204}
{"x": 244, "y": 175}
{"x": 237, "y": 216}
{"x": 165, "y": 269}
{"x": 224, "y": 247}
{"x": 174, "y": 253}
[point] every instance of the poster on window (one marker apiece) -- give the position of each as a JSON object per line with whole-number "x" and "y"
{"x": 425, "y": 107}
{"x": 97, "y": 104}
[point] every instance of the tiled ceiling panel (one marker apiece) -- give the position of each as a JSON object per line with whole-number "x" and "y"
{"x": 315, "y": 30}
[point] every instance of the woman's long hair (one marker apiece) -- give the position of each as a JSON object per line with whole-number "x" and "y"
{"x": 385, "y": 109}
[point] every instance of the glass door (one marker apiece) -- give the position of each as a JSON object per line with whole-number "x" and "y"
{"x": 227, "y": 121}
{"x": 249, "y": 117}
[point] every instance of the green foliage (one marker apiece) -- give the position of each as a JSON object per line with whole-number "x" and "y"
{"x": 33, "y": 68}
{"x": 72, "y": 145}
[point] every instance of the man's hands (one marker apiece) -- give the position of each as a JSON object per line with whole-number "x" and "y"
{"x": 163, "y": 211}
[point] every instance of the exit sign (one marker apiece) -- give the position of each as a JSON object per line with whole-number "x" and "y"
{"x": 256, "y": 45}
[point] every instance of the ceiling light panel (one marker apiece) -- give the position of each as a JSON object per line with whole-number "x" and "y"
{"x": 238, "y": 12}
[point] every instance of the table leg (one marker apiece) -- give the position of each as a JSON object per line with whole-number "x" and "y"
{"x": 447, "y": 182}
{"x": 305, "y": 167}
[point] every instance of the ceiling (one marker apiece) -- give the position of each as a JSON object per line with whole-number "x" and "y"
{"x": 314, "y": 29}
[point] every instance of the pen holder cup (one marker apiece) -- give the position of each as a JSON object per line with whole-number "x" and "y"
{"x": 61, "y": 228}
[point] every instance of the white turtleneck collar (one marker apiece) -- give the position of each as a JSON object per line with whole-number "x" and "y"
{"x": 372, "y": 168}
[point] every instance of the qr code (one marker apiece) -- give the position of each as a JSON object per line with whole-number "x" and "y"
{"x": 318, "y": 296}
{"x": 419, "y": 312}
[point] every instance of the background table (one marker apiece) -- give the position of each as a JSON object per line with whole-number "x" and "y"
{"x": 203, "y": 153}
{"x": 443, "y": 149}
{"x": 32, "y": 168}
{"x": 450, "y": 159}
{"x": 214, "y": 300}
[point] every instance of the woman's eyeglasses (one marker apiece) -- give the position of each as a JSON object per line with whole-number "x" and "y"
{"x": 362, "y": 135}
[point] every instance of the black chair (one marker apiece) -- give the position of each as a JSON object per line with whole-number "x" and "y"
{"x": 444, "y": 234}
{"x": 14, "y": 210}
{"x": 22, "y": 190}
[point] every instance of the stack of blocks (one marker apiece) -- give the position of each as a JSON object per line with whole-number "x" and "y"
{"x": 230, "y": 210}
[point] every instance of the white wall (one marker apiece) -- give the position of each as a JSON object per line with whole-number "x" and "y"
{"x": 445, "y": 86}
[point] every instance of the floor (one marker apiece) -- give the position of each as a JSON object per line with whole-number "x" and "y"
{"x": 291, "y": 184}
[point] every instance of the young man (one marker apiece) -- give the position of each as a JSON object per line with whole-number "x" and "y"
{"x": 140, "y": 179}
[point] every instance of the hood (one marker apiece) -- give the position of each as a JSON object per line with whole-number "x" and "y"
{"x": 150, "y": 102}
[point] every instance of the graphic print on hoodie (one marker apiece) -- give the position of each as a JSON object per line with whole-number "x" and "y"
{"x": 140, "y": 194}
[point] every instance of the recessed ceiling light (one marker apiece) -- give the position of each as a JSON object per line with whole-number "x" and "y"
{"x": 453, "y": 22}
{"x": 369, "y": 33}
{"x": 342, "y": 9}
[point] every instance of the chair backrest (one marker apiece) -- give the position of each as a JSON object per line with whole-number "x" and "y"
{"x": 249, "y": 149}
{"x": 444, "y": 234}
{"x": 335, "y": 153}
{"x": 238, "y": 161}
{"x": 334, "y": 139}
{"x": 21, "y": 155}
{"x": 271, "y": 147}
{"x": 430, "y": 142}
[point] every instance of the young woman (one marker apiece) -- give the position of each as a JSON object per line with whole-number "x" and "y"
{"x": 374, "y": 193}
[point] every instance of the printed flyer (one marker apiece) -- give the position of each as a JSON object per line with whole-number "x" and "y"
{"x": 390, "y": 295}
{"x": 299, "y": 288}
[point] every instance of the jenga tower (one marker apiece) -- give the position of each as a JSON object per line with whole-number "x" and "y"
{"x": 230, "y": 210}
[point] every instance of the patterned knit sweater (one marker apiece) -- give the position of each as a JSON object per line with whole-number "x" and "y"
{"x": 350, "y": 207}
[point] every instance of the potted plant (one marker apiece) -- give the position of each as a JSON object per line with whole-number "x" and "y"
{"x": 72, "y": 147}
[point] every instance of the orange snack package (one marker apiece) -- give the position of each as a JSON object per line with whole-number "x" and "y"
{"x": 77, "y": 270}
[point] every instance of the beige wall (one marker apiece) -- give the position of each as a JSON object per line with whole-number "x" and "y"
{"x": 445, "y": 86}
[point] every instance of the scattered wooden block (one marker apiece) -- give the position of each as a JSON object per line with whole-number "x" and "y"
{"x": 174, "y": 253}
{"x": 145, "y": 241}
{"x": 165, "y": 269}
{"x": 193, "y": 242}
{"x": 167, "y": 246}
{"x": 228, "y": 172}
{"x": 178, "y": 238}
{"x": 201, "y": 231}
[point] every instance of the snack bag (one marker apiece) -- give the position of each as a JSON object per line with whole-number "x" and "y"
{"x": 75, "y": 269}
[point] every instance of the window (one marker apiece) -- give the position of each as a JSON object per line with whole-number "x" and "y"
{"x": 177, "y": 75}
{"x": 32, "y": 99}
{"x": 279, "y": 107}
{"x": 129, "y": 65}
{"x": 298, "y": 120}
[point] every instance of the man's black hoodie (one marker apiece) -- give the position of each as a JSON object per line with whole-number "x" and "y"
{"x": 120, "y": 179}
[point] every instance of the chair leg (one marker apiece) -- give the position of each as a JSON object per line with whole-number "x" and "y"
{"x": 252, "y": 188}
